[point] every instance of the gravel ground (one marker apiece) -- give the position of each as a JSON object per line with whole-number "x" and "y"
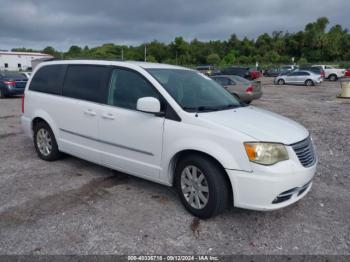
{"x": 75, "y": 207}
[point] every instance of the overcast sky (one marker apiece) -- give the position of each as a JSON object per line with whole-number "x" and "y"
{"x": 62, "y": 23}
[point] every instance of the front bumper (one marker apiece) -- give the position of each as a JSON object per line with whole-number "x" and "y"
{"x": 271, "y": 187}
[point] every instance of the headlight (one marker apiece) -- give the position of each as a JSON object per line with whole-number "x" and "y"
{"x": 266, "y": 153}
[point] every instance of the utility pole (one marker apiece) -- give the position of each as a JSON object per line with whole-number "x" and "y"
{"x": 145, "y": 53}
{"x": 122, "y": 54}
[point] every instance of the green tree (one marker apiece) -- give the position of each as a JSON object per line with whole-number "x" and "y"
{"x": 213, "y": 59}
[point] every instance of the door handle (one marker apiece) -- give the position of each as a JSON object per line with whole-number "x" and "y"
{"x": 89, "y": 112}
{"x": 108, "y": 116}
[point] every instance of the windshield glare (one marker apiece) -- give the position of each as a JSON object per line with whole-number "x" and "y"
{"x": 193, "y": 91}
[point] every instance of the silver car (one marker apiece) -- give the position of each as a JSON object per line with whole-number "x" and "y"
{"x": 299, "y": 77}
{"x": 240, "y": 87}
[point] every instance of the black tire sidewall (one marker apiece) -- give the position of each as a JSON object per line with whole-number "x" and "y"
{"x": 55, "y": 154}
{"x": 309, "y": 81}
{"x": 333, "y": 78}
{"x": 218, "y": 191}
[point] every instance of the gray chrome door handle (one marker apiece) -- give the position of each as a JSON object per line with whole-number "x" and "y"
{"x": 89, "y": 112}
{"x": 108, "y": 116}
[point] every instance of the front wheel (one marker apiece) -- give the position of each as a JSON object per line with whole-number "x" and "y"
{"x": 201, "y": 186}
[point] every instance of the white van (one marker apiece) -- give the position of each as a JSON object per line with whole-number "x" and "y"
{"x": 171, "y": 125}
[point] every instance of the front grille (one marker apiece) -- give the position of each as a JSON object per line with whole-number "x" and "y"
{"x": 305, "y": 152}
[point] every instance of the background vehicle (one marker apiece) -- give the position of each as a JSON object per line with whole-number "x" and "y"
{"x": 331, "y": 72}
{"x": 347, "y": 73}
{"x": 286, "y": 68}
{"x": 299, "y": 77}
{"x": 26, "y": 74}
{"x": 244, "y": 72}
{"x": 12, "y": 83}
{"x": 317, "y": 70}
{"x": 206, "y": 69}
{"x": 240, "y": 87}
{"x": 254, "y": 74}
{"x": 273, "y": 72}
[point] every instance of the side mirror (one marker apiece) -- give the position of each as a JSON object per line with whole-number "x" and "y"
{"x": 148, "y": 105}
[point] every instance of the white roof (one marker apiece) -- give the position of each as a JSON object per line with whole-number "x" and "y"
{"x": 145, "y": 65}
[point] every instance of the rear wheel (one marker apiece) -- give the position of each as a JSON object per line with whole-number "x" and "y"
{"x": 45, "y": 142}
{"x": 333, "y": 77}
{"x": 201, "y": 186}
{"x": 309, "y": 82}
{"x": 280, "y": 82}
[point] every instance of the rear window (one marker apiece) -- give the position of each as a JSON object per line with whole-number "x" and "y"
{"x": 12, "y": 75}
{"x": 48, "y": 79}
{"x": 86, "y": 82}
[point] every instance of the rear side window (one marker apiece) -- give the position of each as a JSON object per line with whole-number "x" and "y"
{"x": 48, "y": 79}
{"x": 86, "y": 82}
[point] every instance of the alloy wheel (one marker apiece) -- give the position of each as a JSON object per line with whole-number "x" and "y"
{"x": 44, "y": 142}
{"x": 194, "y": 187}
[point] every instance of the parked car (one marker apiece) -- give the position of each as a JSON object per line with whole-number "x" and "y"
{"x": 170, "y": 125}
{"x": 286, "y": 68}
{"x": 316, "y": 69}
{"x": 245, "y": 72}
{"x": 254, "y": 74}
{"x": 347, "y": 73}
{"x": 11, "y": 83}
{"x": 26, "y": 74}
{"x": 207, "y": 69}
{"x": 241, "y": 88}
{"x": 273, "y": 72}
{"x": 299, "y": 77}
{"x": 331, "y": 72}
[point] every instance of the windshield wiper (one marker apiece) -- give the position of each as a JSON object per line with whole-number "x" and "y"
{"x": 210, "y": 108}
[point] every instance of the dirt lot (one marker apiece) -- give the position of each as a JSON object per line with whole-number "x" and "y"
{"x": 75, "y": 207}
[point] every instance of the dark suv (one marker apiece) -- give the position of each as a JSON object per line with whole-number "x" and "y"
{"x": 245, "y": 72}
{"x": 12, "y": 83}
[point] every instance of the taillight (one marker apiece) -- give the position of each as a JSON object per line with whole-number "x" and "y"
{"x": 249, "y": 90}
{"x": 10, "y": 83}
{"x": 23, "y": 104}
{"x": 323, "y": 74}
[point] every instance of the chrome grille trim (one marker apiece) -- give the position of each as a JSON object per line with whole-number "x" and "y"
{"x": 305, "y": 152}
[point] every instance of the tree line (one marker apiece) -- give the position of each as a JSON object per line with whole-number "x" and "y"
{"x": 315, "y": 43}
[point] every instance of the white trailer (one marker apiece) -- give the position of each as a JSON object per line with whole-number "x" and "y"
{"x": 19, "y": 61}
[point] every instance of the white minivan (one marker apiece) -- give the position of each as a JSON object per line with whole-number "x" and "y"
{"x": 171, "y": 125}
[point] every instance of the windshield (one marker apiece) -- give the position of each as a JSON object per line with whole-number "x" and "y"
{"x": 193, "y": 91}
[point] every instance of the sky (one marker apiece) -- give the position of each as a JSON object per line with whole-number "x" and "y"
{"x": 62, "y": 23}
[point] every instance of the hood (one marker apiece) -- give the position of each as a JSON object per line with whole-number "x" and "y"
{"x": 261, "y": 125}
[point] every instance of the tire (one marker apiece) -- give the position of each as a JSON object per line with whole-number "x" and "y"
{"x": 214, "y": 186}
{"x": 333, "y": 77}
{"x": 309, "y": 82}
{"x": 45, "y": 142}
{"x": 280, "y": 82}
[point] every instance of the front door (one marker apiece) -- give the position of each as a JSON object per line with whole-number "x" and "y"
{"x": 132, "y": 140}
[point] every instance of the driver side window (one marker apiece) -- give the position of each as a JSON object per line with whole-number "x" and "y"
{"x": 126, "y": 87}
